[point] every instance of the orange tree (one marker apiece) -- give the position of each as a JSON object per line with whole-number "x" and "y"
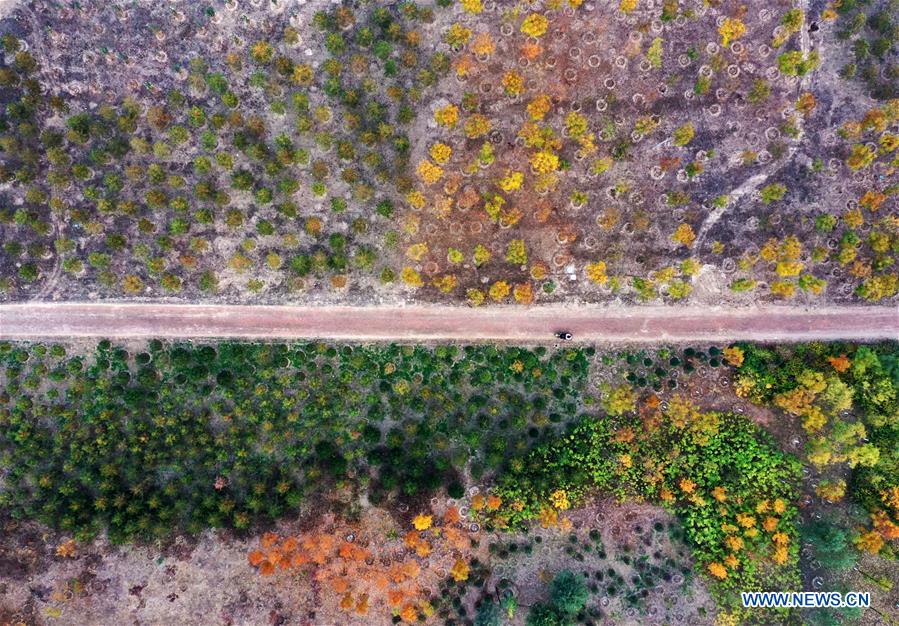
{"x": 361, "y": 570}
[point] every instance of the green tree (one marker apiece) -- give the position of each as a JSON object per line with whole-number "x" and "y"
{"x": 510, "y": 605}
{"x": 683, "y": 134}
{"x": 773, "y": 192}
{"x": 547, "y": 615}
{"x": 832, "y": 544}
{"x": 838, "y": 395}
{"x": 488, "y": 614}
{"x": 568, "y": 592}
{"x": 794, "y": 63}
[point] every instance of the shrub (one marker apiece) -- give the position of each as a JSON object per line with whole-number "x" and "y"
{"x": 683, "y": 134}
{"x": 794, "y": 63}
{"x": 545, "y": 162}
{"x": 488, "y": 614}
{"x": 730, "y": 30}
{"x": 684, "y": 235}
{"x": 568, "y": 592}
{"x": 861, "y": 156}
{"x": 832, "y": 545}
{"x": 472, "y": 6}
{"x": 772, "y": 192}
{"x": 516, "y": 253}
{"x": 447, "y": 116}
{"x": 535, "y": 25}
{"x": 546, "y": 615}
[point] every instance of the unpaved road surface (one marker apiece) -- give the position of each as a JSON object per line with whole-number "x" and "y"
{"x": 439, "y": 323}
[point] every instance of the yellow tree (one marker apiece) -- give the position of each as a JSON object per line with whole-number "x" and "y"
{"x": 731, "y": 29}
{"x": 684, "y": 235}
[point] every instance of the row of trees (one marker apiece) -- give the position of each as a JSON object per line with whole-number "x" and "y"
{"x": 150, "y": 184}
{"x": 179, "y": 436}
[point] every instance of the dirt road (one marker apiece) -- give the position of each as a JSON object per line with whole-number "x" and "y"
{"x": 440, "y": 323}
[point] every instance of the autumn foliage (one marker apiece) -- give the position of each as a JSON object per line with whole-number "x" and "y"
{"x": 361, "y": 568}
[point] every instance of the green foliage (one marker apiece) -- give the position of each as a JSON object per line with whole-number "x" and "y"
{"x": 488, "y": 614}
{"x": 547, "y": 615}
{"x": 735, "y": 456}
{"x": 137, "y": 442}
{"x": 794, "y": 63}
{"x": 832, "y": 544}
{"x": 773, "y": 192}
{"x": 568, "y": 596}
{"x": 221, "y": 119}
{"x": 871, "y": 33}
{"x": 568, "y": 592}
{"x": 825, "y": 223}
{"x": 868, "y": 384}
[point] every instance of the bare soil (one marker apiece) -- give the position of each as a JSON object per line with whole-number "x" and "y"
{"x": 420, "y": 323}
